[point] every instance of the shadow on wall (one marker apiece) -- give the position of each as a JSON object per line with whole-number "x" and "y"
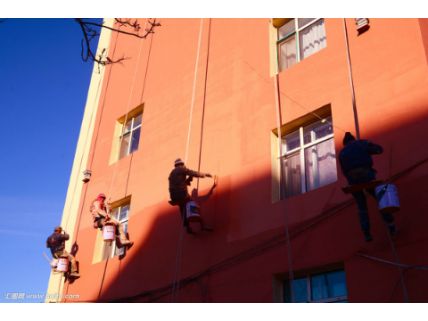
{"x": 236, "y": 262}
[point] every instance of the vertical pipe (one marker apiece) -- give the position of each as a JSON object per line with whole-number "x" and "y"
{"x": 281, "y": 193}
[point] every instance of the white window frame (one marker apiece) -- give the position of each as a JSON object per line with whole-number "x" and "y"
{"x": 309, "y": 289}
{"x": 301, "y": 150}
{"x": 296, "y": 33}
{"x": 129, "y": 132}
{"x": 120, "y": 251}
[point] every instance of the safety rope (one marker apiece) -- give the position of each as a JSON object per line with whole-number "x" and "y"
{"x": 176, "y": 278}
{"x": 272, "y": 243}
{"x": 128, "y": 104}
{"x": 351, "y": 80}
{"x": 357, "y": 132}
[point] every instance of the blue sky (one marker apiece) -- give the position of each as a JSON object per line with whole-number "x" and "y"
{"x": 43, "y": 90}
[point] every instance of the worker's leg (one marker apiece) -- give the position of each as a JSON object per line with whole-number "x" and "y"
{"x": 73, "y": 262}
{"x": 123, "y": 239}
{"x": 388, "y": 218}
{"x": 363, "y": 213}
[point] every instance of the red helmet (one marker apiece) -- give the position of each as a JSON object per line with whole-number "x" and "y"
{"x": 101, "y": 195}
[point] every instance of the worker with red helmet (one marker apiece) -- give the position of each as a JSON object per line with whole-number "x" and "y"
{"x": 100, "y": 214}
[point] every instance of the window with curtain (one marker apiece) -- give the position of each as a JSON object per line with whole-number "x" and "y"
{"x": 320, "y": 287}
{"x": 309, "y": 158}
{"x": 298, "y": 39}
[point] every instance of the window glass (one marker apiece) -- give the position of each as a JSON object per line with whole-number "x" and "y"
{"x": 135, "y": 140}
{"x": 328, "y": 285}
{"x": 323, "y": 287}
{"x": 137, "y": 120}
{"x": 317, "y": 130}
{"x": 123, "y": 212}
{"x": 336, "y": 283}
{"x": 287, "y": 53}
{"x": 127, "y": 126}
{"x": 320, "y": 164}
{"x": 296, "y": 45}
{"x": 124, "y": 145}
{"x": 300, "y": 291}
{"x": 292, "y": 174}
{"x": 304, "y": 21}
{"x": 292, "y": 141}
{"x": 287, "y": 29}
{"x": 312, "y": 39}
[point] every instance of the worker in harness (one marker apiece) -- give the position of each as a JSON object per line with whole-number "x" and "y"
{"x": 179, "y": 178}
{"x": 56, "y": 243}
{"x": 357, "y": 166}
{"x": 100, "y": 214}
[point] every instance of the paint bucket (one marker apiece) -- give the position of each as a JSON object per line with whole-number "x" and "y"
{"x": 54, "y": 263}
{"x": 62, "y": 265}
{"x": 387, "y": 197}
{"x": 109, "y": 232}
{"x": 192, "y": 212}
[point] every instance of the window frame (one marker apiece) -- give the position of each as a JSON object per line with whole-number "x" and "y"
{"x": 301, "y": 151}
{"x": 129, "y": 132}
{"x": 296, "y": 34}
{"x": 307, "y": 277}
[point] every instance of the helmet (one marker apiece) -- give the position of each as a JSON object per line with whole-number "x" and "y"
{"x": 101, "y": 195}
{"x": 178, "y": 161}
{"x": 58, "y": 229}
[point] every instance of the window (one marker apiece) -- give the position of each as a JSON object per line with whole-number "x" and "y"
{"x": 322, "y": 287}
{"x": 130, "y": 136}
{"x": 121, "y": 214}
{"x": 309, "y": 158}
{"x": 298, "y": 39}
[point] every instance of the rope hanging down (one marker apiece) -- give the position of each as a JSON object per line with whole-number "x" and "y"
{"x": 176, "y": 282}
{"x": 120, "y": 144}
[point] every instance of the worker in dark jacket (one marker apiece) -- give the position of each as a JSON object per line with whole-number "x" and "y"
{"x": 179, "y": 178}
{"x": 56, "y": 243}
{"x": 357, "y": 166}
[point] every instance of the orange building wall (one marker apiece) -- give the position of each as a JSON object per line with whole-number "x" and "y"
{"x": 389, "y": 64}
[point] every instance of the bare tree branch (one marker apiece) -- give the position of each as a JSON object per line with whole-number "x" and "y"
{"x": 89, "y": 33}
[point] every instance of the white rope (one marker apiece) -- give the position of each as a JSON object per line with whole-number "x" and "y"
{"x": 127, "y": 110}
{"x": 176, "y": 282}
{"x": 192, "y": 103}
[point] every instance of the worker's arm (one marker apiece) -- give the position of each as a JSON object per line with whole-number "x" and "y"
{"x": 374, "y": 148}
{"x": 197, "y": 174}
{"x": 98, "y": 210}
{"x": 65, "y": 236}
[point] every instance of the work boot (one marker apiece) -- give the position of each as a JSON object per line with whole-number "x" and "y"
{"x": 207, "y": 228}
{"x": 126, "y": 242}
{"x": 367, "y": 236}
{"x": 392, "y": 229}
{"x": 74, "y": 275}
{"x": 189, "y": 230}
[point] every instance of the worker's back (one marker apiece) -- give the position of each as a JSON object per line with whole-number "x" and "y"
{"x": 357, "y": 154}
{"x": 177, "y": 178}
{"x": 56, "y": 242}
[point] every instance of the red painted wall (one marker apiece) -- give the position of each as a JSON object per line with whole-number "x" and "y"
{"x": 238, "y": 261}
